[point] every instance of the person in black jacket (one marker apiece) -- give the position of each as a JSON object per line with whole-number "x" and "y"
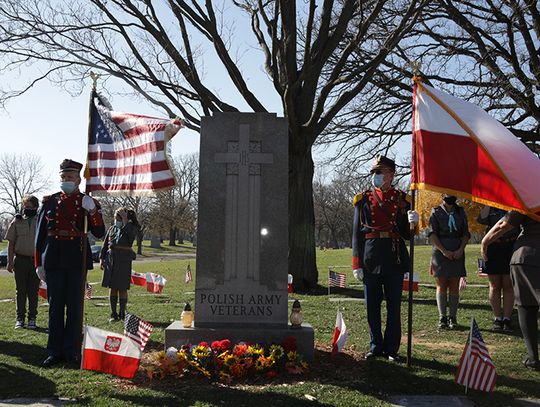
{"x": 59, "y": 259}
{"x": 116, "y": 257}
{"x": 380, "y": 257}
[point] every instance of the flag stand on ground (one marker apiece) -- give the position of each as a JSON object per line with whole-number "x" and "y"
{"x": 476, "y": 369}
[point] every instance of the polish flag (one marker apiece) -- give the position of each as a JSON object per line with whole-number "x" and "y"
{"x": 460, "y": 149}
{"x": 155, "y": 283}
{"x": 110, "y": 352}
{"x": 138, "y": 278}
{"x": 340, "y": 334}
{"x": 42, "y": 291}
{"x": 406, "y": 282}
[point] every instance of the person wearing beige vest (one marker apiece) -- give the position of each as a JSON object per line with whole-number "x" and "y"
{"x": 20, "y": 236}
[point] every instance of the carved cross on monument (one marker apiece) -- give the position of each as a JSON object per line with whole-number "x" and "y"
{"x": 242, "y": 212}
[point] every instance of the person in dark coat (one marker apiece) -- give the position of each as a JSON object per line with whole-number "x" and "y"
{"x": 449, "y": 234}
{"x": 524, "y": 273}
{"x": 498, "y": 269}
{"x": 380, "y": 257}
{"x": 116, "y": 257}
{"x": 59, "y": 259}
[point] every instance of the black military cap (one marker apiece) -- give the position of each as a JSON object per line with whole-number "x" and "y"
{"x": 70, "y": 165}
{"x": 382, "y": 162}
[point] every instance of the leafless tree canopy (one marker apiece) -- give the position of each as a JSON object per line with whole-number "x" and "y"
{"x": 20, "y": 174}
{"x": 485, "y": 51}
{"x": 319, "y": 56}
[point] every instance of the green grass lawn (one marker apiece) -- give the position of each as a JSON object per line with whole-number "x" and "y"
{"x": 344, "y": 380}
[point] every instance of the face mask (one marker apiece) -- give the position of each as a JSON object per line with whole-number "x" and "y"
{"x": 377, "y": 180}
{"x": 67, "y": 186}
{"x": 29, "y": 212}
{"x": 118, "y": 224}
{"x": 450, "y": 200}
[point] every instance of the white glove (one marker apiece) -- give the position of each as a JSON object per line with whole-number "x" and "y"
{"x": 358, "y": 274}
{"x": 40, "y": 271}
{"x": 413, "y": 217}
{"x": 88, "y": 203}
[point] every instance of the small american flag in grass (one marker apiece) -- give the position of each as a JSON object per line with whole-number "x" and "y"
{"x": 137, "y": 329}
{"x": 189, "y": 275}
{"x": 336, "y": 279}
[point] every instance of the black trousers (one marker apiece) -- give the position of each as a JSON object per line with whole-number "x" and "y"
{"x": 27, "y": 286}
{"x": 64, "y": 293}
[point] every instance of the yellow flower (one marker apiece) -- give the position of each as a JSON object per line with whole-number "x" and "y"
{"x": 291, "y": 355}
{"x": 200, "y": 352}
{"x": 277, "y": 351}
{"x": 230, "y": 360}
{"x": 256, "y": 350}
{"x": 259, "y": 363}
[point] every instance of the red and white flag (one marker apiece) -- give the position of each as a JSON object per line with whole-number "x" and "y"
{"x": 127, "y": 153}
{"x": 406, "y": 282}
{"x": 460, "y": 149}
{"x": 155, "y": 283}
{"x": 138, "y": 278}
{"x": 88, "y": 291}
{"x": 340, "y": 334}
{"x": 476, "y": 369}
{"x": 189, "y": 275}
{"x": 42, "y": 291}
{"x": 137, "y": 329}
{"x": 110, "y": 352}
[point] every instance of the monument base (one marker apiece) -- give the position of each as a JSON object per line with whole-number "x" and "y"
{"x": 176, "y": 335}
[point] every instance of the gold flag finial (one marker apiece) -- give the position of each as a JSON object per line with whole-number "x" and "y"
{"x": 415, "y": 67}
{"x": 94, "y": 77}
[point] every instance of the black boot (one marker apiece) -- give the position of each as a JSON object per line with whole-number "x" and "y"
{"x": 123, "y": 303}
{"x": 114, "y": 316}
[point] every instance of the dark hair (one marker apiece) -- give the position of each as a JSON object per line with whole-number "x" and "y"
{"x": 133, "y": 217}
{"x": 31, "y": 199}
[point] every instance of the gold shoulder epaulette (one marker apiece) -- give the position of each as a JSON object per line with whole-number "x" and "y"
{"x": 357, "y": 198}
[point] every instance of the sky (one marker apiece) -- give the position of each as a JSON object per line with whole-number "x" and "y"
{"x": 53, "y": 124}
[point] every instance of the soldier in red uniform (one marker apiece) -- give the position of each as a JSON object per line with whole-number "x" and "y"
{"x": 380, "y": 257}
{"x": 59, "y": 259}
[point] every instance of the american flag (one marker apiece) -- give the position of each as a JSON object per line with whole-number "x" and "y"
{"x": 476, "y": 369}
{"x": 189, "y": 275}
{"x": 336, "y": 279}
{"x": 88, "y": 291}
{"x": 127, "y": 153}
{"x": 137, "y": 329}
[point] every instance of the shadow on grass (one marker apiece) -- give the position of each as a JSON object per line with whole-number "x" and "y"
{"x": 28, "y": 354}
{"x": 189, "y": 394}
{"x": 12, "y": 377}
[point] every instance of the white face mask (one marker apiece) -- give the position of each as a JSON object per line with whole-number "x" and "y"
{"x": 377, "y": 180}
{"x": 119, "y": 224}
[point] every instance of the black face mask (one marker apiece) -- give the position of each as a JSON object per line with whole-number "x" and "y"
{"x": 450, "y": 200}
{"x": 29, "y": 212}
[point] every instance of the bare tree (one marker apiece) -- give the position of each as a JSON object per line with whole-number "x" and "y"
{"x": 20, "y": 174}
{"x": 486, "y": 52}
{"x": 318, "y": 56}
{"x": 174, "y": 209}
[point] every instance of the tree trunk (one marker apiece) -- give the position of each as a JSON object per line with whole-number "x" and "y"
{"x": 302, "y": 263}
{"x": 172, "y": 237}
{"x": 140, "y": 236}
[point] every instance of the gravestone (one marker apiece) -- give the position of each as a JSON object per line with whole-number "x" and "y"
{"x": 242, "y": 234}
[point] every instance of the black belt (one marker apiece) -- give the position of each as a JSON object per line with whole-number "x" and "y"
{"x": 24, "y": 257}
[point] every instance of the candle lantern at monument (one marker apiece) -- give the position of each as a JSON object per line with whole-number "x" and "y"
{"x": 187, "y": 316}
{"x": 296, "y": 315}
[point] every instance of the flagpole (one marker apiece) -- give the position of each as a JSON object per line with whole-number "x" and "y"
{"x": 468, "y": 356}
{"x": 328, "y": 281}
{"x": 84, "y": 238}
{"x": 411, "y": 282}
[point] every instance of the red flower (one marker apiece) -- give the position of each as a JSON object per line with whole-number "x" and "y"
{"x": 205, "y": 344}
{"x": 215, "y": 345}
{"x": 225, "y": 344}
{"x": 240, "y": 349}
{"x": 289, "y": 344}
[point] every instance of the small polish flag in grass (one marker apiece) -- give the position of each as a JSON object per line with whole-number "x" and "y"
{"x": 340, "y": 334}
